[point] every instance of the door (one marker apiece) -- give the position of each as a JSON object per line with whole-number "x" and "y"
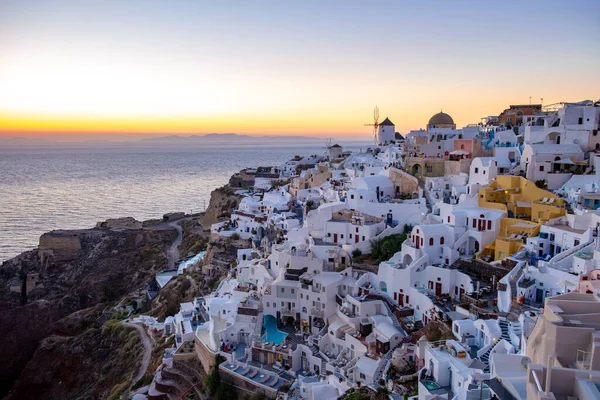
{"x": 438, "y": 288}
{"x": 401, "y": 299}
{"x": 356, "y": 238}
{"x": 335, "y": 238}
{"x": 539, "y": 295}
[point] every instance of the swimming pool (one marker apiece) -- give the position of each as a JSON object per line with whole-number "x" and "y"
{"x": 430, "y": 385}
{"x": 272, "y": 334}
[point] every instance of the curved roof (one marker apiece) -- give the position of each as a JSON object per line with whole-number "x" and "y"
{"x": 441, "y": 118}
{"x": 372, "y": 182}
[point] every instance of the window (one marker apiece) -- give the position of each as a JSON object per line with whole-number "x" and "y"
{"x": 350, "y": 236}
{"x": 489, "y": 225}
{"x": 292, "y": 291}
{"x": 282, "y": 304}
{"x": 442, "y": 240}
{"x": 484, "y": 171}
{"x": 342, "y": 236}
{"x": 282, "y": 290}
{"x": 362, "y": 376}
{"x": 580, "y": 121}
{"x": 363, "y": 238}
{"x": 351, "y": 196}
{"x": 429, "y": 168}
{"x": 476, "y": 170}
{"x": 356, "y": 230}
{"x": 268, "y": 305}
{"x": 431, "y": 241}
{"x": 541, "y": 168}
{"x": 474, "y": 223}
{"x": 448, "y": 219}
{"x": 576, "y": 242}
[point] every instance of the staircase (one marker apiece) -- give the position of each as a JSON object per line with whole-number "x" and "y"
{"x": 393, "y": 317}
{"x": 504, "y": 327}
{"x": 517, "y": 330}
{"x": 323, "y": 369}
{"x": 485, "y": 358}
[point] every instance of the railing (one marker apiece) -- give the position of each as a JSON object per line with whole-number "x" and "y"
{"x": 317, "y": 313}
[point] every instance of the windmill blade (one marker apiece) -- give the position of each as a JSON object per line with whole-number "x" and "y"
{"x": 376, "y": 115}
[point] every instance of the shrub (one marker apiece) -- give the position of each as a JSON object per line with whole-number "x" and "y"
{"x": 383, "y": 249}
{"x": 235, "y": 236}
{"x": 356, "y": 253}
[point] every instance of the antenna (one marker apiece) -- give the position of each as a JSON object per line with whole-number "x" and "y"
{"x": 375, "y": 123}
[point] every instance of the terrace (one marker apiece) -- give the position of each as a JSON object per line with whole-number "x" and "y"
{"x": 259, "y": 376}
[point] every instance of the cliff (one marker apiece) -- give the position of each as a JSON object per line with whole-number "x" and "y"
{"x": 71, "y": 270}
{"x": 224, "y": 200}
{"x": 56, "y": 340}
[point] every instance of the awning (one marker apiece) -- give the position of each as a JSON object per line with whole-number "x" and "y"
{"x": 524, "y": 204}
{"x": 566, "y": 160}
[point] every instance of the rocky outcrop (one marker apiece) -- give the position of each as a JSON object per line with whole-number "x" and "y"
{"x": 75, "y": 270}
{"x": 223, "y": 201}
{"x": 120, "y": 223}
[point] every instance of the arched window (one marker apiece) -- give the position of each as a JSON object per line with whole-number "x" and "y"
{"x": 442, "y": 240}
{"x": 431, "y": 241}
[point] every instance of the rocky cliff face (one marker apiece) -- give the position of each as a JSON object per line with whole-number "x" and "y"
{"x": 94, "y": 363}
{"x": 222, "y": 202}
{"x": 72, "y": 270}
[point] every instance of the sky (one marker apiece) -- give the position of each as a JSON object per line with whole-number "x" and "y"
{"x": 126, "y": 68}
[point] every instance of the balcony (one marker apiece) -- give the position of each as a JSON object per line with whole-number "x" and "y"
{"x": 526, "y": 282}
{"x": 317, "y": 313}
{"x": 288, "y": 313}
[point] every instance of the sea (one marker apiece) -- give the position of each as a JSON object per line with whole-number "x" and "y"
{"x": 47, "y": 188}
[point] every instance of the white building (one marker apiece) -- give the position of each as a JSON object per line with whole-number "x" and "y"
{"x": 542, "y": 162}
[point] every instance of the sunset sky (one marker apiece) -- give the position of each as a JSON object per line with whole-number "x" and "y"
{"x": 285, "y": 67}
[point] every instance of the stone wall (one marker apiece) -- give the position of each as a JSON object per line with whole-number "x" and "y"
{"x": 59, "y": 246}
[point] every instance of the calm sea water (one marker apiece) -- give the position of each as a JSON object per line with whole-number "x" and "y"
{"x": 42, "y": 190}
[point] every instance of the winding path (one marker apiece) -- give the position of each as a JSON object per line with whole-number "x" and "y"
{"x": 147, "y": 350}
{"x": 173, "y": 252}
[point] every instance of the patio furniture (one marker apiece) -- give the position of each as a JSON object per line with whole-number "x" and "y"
{"x": 253, "y": 373}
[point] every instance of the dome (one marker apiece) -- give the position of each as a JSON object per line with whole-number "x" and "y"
{"x": 441, "y": 118}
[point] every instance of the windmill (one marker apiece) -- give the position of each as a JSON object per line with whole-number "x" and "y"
{"x": 375, "y": 123}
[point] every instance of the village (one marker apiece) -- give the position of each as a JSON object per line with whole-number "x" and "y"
{"x": 444, "y": 263}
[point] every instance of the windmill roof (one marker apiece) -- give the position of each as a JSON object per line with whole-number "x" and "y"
{"x": 387, "y": 122}
{"x": 336, "y": 145}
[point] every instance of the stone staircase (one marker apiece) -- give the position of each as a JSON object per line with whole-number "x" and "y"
{"x": 485, "y": 358}
{"x": 385, "y": 361}
{"x": 504, "y": 328}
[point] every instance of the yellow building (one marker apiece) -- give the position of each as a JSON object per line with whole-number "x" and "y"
{"x": 314, "y": 177}
{"x": 526, "y": 206}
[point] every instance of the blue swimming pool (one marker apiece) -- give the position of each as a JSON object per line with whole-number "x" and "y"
{"x": 272, "y": 334}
